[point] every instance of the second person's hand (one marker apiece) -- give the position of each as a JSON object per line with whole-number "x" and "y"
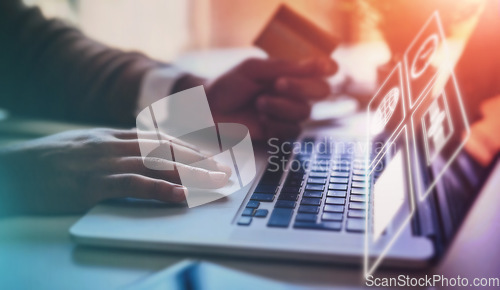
{"x": 271, "y": 97}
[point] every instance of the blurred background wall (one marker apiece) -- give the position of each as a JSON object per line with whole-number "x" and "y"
{"x": 165, "y": 28}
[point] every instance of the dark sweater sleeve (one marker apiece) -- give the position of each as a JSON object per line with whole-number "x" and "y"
{"x": 49, "y": 69}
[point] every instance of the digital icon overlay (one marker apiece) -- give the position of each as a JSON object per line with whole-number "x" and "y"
{"x": 421, "y": 140}
{"x": 424, "y": 59}
{"x": 391, "y": 203}
{"x": 437, "y": 127}
{"x": 387, "y": 107}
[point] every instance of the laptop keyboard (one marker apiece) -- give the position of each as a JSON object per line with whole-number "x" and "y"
{"x": 324, "y": 190}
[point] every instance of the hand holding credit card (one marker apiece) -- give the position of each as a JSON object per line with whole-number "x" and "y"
{"x": 290, "y": 36}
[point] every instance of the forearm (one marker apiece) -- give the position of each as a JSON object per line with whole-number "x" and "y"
{"x": 51, "y": 70}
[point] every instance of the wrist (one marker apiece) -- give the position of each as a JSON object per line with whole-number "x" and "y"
{"x": 186, "y": 82}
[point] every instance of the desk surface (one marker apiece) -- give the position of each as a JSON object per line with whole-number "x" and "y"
{"x": 36, "y": 252}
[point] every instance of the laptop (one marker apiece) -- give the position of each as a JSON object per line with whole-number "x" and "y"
{"x": 314, "y": 213}
{"x": 323, "y": 197}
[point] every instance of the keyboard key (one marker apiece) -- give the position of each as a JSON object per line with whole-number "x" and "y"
{"x": 355, "y": 225}
{"x": 339, "y": 174}
{"x": 285, "y": 204}
{"x": 309, "y": 209}
{"x": 340, "y": 165}
{"x": 339, "y": 180}
{"x": 318, "y": 174}
{"x": 294, "y": 190}
{"x": 360, "y": 198}
{"x": 357, "y": 205}
{"x": 288, "y": 196}
{"x": 303, "y": 156}
{"x": 301, "y": 161}
{"x": 336, "y": 193}
{"x": 359, "y": 178}
{"x": 294, "y": 183}
{"x": 347, "y": 155}
{"x": 341, "y": 168}
{"x": 337, "y": 186}
{"x": 261, "y": 213}
{"x": 248, "y": 212}
{"x": 358, "y": 184}
{"x": 359, "y": 166}
{"x": 311, "y": 201}
{"x": 332, "y": 216}
{"x": 295, "y": 175}
{"x": 361, "y": 162}
{"x": 356, "y": 213}
{"x": 272, "y": 178}
{"x": 244, "y": 220}
{"x": 358, "y": 191}
{"x": 360, "y": 172}
{"x": 280, "y": 217}
{"x": 316, "y": 181}
{"x": 306, "y": 217}
{"x": 333, "y": 208}
{"x": 323, "y": 159}
{"x": 315, "y": 187}
{"x": 262, "y": 197}
{"x": 313, "y": 193}
{"x": 253, "y": 204}
{"x": 335, "y": 200}
{"x": 320, "y": 168}
{"x": 265, "y": 188}
{"x": 328, "y": 226}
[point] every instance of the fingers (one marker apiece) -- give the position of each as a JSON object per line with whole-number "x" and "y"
{"x": 200, "y": 177}
{"x": 164, "y": 150}
{"x": 191, "y": 176}
{"x": 151, "y": 135}
{"x": 302, "y": 88}
{"x": 281, "y": 108}
{"x": 181, "y": 154}
{"x": 270, "y": 69}
{"x": 139, "y": 186}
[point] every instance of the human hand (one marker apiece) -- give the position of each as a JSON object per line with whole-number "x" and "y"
{"x": 271, "y": 97}
{"x": 71, "y": 171}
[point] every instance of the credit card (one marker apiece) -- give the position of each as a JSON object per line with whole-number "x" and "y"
{"x": 290, "y": 36}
